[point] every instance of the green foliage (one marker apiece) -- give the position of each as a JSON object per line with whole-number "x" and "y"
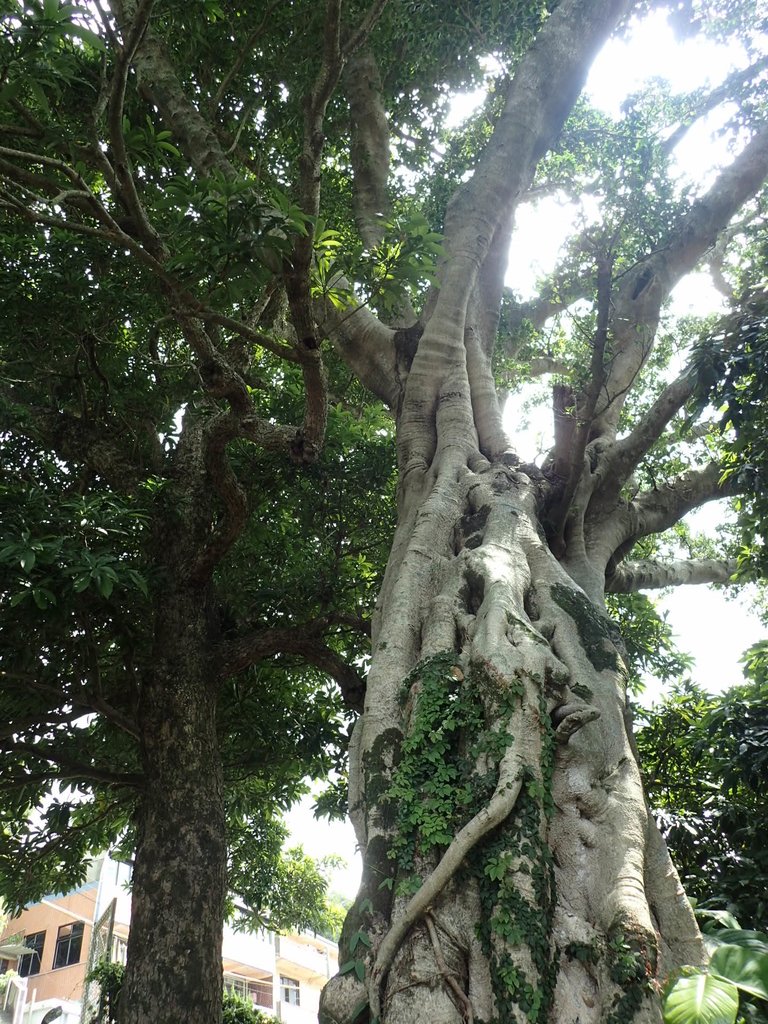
{"x": 701, "y": 998}
{"x": 271, "y": 887}
{"x": 738, "y": 968}
{"x": 432, "y": 788}
{"x": 109, "y": 977}
{"x": 732, "y": 364}
{"x": 704, "y": 762}
{"x": 515, "y": 915}
{"x": 648, "y": 640}
{"x": 437, "y": 789}
{"x": 238, "y": 1011}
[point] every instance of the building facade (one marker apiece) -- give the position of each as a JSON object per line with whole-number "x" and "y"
{"x": 64, "y": 935}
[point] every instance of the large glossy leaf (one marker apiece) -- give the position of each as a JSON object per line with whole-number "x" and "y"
{"x": 701, "y": 998}
{"x": 737, "y": 937}
{"x": 747, "y": 968}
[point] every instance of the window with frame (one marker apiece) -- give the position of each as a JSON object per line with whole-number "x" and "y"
{"x": 69, "y": 943}
{"x": 29, "y": 963}
{"x": 289, "y": 990}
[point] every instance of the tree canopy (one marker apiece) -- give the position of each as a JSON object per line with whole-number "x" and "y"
{"x": 256, "y": 330}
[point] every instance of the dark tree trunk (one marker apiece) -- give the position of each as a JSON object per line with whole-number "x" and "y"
{"x": 174, "y": 969}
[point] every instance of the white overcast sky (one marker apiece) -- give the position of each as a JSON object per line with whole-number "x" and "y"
{"x": 714, "y": 630}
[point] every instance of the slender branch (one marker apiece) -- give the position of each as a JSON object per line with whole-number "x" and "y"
{"x": 199, "y": 142}
{"x": 649, "y": 574}
{"x": 122, "y": 165}
{"x": 721, "y": 94}
{"x": 76, "y": 770}
{"x": 82, "y": 701}
{"x": 113, "y": 234}
{"x": 638, "y": 299}
{"x": 360, "y": 36}
{"x": 242, "y": 56}
{"x": 41, "y": 722}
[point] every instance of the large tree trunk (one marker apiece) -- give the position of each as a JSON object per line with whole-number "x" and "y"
{"x": 179, "y": 880}
{"x": 179, "y": 888}
{"x": 512, "y": 870}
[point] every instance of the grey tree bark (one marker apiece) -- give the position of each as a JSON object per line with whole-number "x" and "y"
{"x": 512, "y": 870}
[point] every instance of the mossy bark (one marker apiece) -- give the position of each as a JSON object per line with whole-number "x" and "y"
{"x": 486, "y": 654}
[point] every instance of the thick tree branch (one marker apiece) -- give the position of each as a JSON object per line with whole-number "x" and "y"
{"x": 366, "y": 345}
{"x": 543, "y": 90}
{"x": 642, "y": 290}
{"x": 559, "y": 292}
{"x": 241, "y": 58}
{"x": 359, "y": 36}
{"x": 623, "y": 457}
{"x": 159, "y": 82}
{"x": 655, "y": 511}
{"x": 368, "y": 147}
{"x": 649, "y": 574}
{"x": 571, "y": 444}
{"x": 306, "y": 643}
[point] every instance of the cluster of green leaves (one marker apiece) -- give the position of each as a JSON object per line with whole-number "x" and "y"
{"x": 434, "y": 787}
{"x": 705, "y": 767}
{"x": 58, "y": 548}
{"x": 109, "y": 977}
{"x": 225, "y": 236}
{"x": 238, "y": 1011}
{"x": 631, "y": 970}
{"x": 732, "y": 364}
{"x": 396, "y": 270}
{"x": 357, "y": 944}
{"x": 648, "y": 640}
{"x": 518, "y": 916}
{"x": 737, "y": 970}
{"x": 279, "y": 889}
